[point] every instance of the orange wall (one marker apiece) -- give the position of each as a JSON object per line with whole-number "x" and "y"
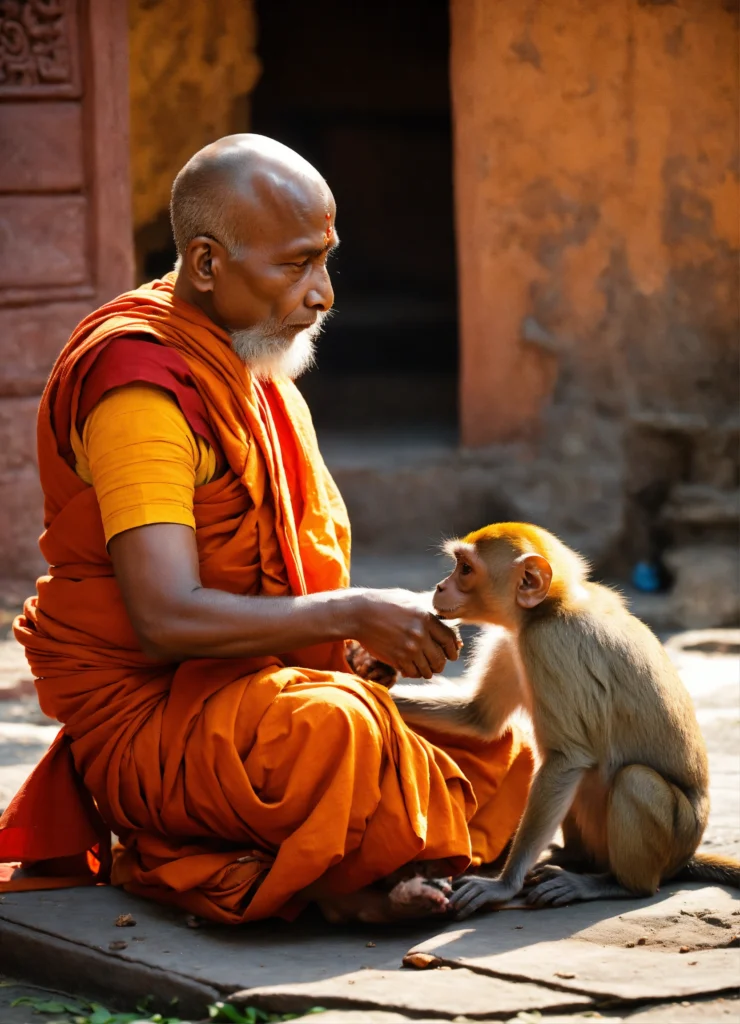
{"x": 192, "y": 69}
{"x": 596, "y": 161}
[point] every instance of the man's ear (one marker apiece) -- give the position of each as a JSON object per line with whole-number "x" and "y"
{"x": 534, "y": 579}
{"x": 203, "y": 259}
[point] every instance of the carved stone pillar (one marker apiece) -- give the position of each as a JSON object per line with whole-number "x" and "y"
{"x": 65, "y": 220}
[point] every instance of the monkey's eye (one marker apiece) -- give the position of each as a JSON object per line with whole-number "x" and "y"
{"x": 465, "y": 569}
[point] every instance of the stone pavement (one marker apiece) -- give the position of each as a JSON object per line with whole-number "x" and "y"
{"x": 673, "y": 958}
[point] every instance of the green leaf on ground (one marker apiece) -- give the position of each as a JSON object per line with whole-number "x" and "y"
{"x": 48, "y": 1005}
{"x": 230, "y": 1014}
{"x": 92, "y": 1013}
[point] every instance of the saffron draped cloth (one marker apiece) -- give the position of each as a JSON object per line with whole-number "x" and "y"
{"x": 233, "y": 783}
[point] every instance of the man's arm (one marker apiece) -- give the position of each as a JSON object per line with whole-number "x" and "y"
{"x": 176, "y": 618}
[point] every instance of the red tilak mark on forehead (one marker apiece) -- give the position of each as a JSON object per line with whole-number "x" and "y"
{"x": 329, "y": 230}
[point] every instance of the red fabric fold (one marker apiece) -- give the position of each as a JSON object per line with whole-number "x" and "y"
{"x": 71, "y": 824}
{"x": 144, "y": 361}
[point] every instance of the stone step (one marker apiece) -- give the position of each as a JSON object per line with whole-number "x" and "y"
{"x": 702, "y": 505}
{"x": 407, "y": 492}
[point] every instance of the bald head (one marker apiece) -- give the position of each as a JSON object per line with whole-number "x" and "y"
{"x": 234, "y": 185}
{"x": 254, "y": 228}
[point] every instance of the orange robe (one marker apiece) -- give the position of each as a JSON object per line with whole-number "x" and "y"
{"x": 218, "y": 773}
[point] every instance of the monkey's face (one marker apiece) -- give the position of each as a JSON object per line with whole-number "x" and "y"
{"x": 467, "y": 593}
{"x": 491, "y": 583}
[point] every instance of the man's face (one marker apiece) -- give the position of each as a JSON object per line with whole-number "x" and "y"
{"x": 272, "y": 294}
{"x": 279, "y": 280}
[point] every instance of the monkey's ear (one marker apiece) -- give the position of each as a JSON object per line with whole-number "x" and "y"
{"x": 535, "y": 577}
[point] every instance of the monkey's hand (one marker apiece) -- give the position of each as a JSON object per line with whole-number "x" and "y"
{"x": 473, "y": 893}
{"x": 364, "y": 665}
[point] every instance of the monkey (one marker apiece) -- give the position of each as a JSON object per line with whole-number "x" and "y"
{"x": 623, "y": 765}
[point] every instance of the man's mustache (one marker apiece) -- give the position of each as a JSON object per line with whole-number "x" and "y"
{"x": 316, "y": 325}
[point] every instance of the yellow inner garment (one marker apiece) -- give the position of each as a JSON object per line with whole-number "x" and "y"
{"x": 142, "y": 458}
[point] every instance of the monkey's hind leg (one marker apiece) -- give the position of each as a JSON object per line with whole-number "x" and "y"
{"x": 651, "y": 827}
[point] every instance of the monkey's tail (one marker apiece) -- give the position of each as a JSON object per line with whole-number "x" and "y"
{"x": 708, "y": 867}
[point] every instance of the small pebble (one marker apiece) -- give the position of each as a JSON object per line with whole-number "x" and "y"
{"x": 685, "y": 949}
{"x": 125, "y": 921}
{"x": 642, "y": 941}
{"x": 564, "y": 974}
{"x": 117, "y": 945}
{"x": 444, "y": 967}
{"x": 192, "y": 921}
{"x": 419, "y": 960}
{"x": 693, "y": 963}
{"x": 630, "y": 945}
{"x": 685, "y": 1003}
{"x": 518, "y": 926}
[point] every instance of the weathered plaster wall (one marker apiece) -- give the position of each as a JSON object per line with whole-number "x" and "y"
{"x": 596, "y": 159}
{"x": 192, "y": 69}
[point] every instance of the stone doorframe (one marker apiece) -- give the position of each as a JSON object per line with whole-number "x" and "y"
{"x": 65, "y": 213}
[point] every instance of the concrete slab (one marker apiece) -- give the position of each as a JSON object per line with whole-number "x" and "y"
{"x": 56, "y": 963}
{"x": 61, "y": 938}
{"x": 593, "y": 947}
{"x": 709, "y": 1011}
{"x": 446, "y": 994}
{"x": 218, "y": 959}
{"x": 362, "y": 1017}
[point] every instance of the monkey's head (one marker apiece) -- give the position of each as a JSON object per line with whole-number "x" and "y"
{"x": 503, "y": 571}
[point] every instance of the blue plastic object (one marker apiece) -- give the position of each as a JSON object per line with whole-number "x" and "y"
{"x": 646, "y": 577}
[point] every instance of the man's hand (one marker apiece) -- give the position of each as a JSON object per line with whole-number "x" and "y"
{"x": 400, "y": 629}
{"x": 175, "y": 617}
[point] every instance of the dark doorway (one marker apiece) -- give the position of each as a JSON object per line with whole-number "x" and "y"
{"x": 362, "y": 91}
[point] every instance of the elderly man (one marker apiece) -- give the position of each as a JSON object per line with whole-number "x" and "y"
{"x": 192, "y": 633}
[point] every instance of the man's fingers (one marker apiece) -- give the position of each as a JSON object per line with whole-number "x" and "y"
{"x": 435, "y": 655}
{"x": 422, "y": 664}
{"x": 445, "y": 637}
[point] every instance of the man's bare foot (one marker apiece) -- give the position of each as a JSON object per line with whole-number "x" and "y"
{"x": 412, "y": 898}
{"x": 420, "y": 896}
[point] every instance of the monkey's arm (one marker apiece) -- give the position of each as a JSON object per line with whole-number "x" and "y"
{"x": 480, "y": 704}
{"x": 550, "y": 797}
{"x": 442, "y": 705}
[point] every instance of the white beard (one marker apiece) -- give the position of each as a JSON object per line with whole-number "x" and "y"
{"x": 270, "y": 351}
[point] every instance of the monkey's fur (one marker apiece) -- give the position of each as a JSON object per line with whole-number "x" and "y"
{"x": 623, "y": 763}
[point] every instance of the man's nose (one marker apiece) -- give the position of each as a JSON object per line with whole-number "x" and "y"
{"x": 320, "y": 295}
